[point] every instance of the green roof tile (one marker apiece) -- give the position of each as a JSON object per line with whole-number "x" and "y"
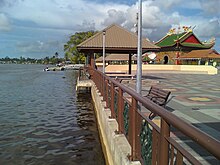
{"x": 205, "y": 46}
{"x": 169, "y": 40}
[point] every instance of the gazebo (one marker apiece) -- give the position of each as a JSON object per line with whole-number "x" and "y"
{"x": 118, "y": 40}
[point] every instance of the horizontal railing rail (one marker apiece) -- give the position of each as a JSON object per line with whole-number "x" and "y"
{"x": 149, "y": 143}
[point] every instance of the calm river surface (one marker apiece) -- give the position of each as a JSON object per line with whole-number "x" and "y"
{"x": 43, "y": 121}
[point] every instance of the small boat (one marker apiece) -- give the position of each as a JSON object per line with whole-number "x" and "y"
{"x": 46, "y": 69}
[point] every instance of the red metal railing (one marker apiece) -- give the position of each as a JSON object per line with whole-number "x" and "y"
{"x": 149, "y": 143}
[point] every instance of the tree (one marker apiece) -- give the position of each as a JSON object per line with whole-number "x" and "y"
{"x": 46, "y": 60}
{"x": 71, "y": 52}
{"x": 56, "y": 54}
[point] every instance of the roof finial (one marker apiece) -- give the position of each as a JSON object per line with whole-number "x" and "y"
{"x": 171, "y": 31}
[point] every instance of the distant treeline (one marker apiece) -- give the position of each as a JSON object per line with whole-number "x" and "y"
{"x": 22, "y": 60}
{"x": 72, "y": 55}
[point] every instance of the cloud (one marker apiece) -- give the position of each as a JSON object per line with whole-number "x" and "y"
{"x": 210, "y": 7}
{"x": 8, "y": 3}
{"x": 31, "y": 47}
{"x": 39, "y": 47}
{"x": 4, "y": 23}
{"x": 60, "y": 14}
{"x": 152, "y": 16}
{"x": 114, "y": 16}
{"x": 209, "y": 28}
{"x": 54, "y": 20}
{"x": 155, "y": 24}
{"x": 174, "y": 19}
{"x": 85, "y": 26}
{"x": 78, "y": 16}
{"x": 158, "y": 33}
{"x": 167, "y": 4}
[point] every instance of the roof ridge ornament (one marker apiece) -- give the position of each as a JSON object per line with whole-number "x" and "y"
{"x": 180, "y": 29}
{"x": 210, "y": 41}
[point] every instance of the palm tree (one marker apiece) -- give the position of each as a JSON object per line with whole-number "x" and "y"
{"x": 56, "y": 54}
{"x": 71, "y": 52}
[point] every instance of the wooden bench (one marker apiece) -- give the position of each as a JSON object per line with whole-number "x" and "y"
{"x": 123, "y": 76}
{"x": 158, "y": 96}
{"x": 118, "y": 79}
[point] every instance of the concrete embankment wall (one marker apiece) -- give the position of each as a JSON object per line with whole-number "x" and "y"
{"x": 198, "y": 69}
{"x": 115, "y": 147}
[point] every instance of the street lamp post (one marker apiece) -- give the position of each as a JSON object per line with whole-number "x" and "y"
{"x": 139, "y": 50}
{"x": 103, "y": 54}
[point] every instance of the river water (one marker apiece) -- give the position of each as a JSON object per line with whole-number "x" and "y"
{"x": 43, "y": 121}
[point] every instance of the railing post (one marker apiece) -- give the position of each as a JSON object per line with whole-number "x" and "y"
{"x": 100, "y": 82}
{"x": 112, "y": 100}
{"x": 106, "y": 93}
{"x": 94, "y": 76}
{"x": 103, "y": 89}
{"x": 164, "y": 145}
{"x": 79, "y": 73}
{"x": 133, "y": 130}
{"x": 102, "y": 85}
{"x": 120, "y": 111}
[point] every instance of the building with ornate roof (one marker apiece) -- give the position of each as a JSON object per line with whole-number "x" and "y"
{"x": 179, "y": 42}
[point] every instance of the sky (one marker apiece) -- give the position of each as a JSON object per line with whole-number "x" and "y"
{"x": 39, "y": 28}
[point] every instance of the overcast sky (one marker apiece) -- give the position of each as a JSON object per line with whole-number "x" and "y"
{"x": 39, "y": 28}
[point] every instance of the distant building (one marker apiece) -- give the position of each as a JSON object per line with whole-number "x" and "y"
{"x": 112, "y": 59}
{"x": 201, "y": 57}
{"x": 178, "y": 43}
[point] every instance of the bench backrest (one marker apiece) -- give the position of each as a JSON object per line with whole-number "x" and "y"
{"x": 158, "y": 93}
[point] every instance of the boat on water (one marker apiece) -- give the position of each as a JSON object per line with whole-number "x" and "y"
{"x": 64, "y": 67}
{"x": 46, "y": 69}
{"x": 74, "y": 66}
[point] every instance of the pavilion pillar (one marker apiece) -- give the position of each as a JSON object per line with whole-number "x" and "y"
{"x": 129, "y": 64}
{"x": 87, "y": 60}
{"x": 91, "y": 59}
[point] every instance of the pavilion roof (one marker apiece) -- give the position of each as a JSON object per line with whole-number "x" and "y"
{"x": 170, "y": 40}
{"x": 117, "y": 40}
{"x": 207, "y": 53}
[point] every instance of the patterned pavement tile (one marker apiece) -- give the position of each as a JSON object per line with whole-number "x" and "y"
{"x": 192, "y": 93}
{"x": 197, "y": 99}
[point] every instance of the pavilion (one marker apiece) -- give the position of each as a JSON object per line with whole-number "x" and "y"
{"x": 118, "y": 40}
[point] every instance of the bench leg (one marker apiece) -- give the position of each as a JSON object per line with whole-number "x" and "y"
{"x": 152, "y": 115}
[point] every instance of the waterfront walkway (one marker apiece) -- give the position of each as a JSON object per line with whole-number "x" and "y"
{"x": 194, "y": 97}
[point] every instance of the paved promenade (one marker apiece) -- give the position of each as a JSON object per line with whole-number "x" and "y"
{"x": 194, "y": 98}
